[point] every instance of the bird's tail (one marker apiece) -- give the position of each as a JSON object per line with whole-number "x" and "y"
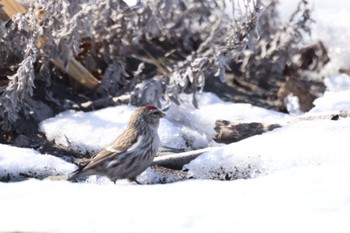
{"x": 57, "y": 178}
{"x": 71, "y": 177}
{"x": 75, "y": 175}
{"x": 80, "y": 172}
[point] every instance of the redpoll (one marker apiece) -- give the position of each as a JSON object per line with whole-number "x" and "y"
{"x": 131, "y": 153}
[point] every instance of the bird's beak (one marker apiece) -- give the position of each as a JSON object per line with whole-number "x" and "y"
{"x": 161, "y": 114}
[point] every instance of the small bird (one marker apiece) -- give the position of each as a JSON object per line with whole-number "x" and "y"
{"x": 131, "y": 153}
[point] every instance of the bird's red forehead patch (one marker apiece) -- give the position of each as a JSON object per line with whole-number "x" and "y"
{"x": 151, "y": 107}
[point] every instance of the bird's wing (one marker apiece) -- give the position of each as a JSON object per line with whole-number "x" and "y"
{"x": 122, "y": 143}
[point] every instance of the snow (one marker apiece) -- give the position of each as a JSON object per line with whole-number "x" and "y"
{"x": 305, "y": 199}
{"x": 336, "y": 98}
{"x": 87, "y": 131}
{"x": 292, "y": 104}
{"x": 184, "y": 127}
{"x": 331, "y": 26}
{"x": 21, "y": 163}
{"x": 277, "y": 150}
{"x": 292, "y": 179}
{"x": 338, "y": 83}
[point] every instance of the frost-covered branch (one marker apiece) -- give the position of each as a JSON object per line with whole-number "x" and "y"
{"x": 152, "y": 51}
{"x": 14, "y": 97}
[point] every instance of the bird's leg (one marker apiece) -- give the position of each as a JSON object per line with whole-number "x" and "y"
{"x": 137, "y": 182}
{"x": 134, "y": 179}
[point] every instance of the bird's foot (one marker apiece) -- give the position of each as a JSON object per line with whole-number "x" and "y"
{"x": 134, "y": 180}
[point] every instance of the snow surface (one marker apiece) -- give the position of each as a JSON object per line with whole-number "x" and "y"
{"x": 307, "y": 199}
{"x": 336, "y": 98}
{"x": 280, "y": 149}
{"x": 184, "y": 127}
{"x": 21, "y": 163}
{"x": 292, "y": 179}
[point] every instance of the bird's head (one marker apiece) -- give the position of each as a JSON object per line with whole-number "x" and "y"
{"x": 147, "y": 116}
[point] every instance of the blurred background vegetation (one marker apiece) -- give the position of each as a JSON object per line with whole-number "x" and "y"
{"x": 89, "y": 54}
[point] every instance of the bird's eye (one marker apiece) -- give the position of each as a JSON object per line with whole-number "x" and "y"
{"x": 157, "y": 113}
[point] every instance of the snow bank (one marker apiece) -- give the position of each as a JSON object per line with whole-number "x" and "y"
{"x": 19, "y": 163}
{"x": 86, "y": 131}
{"x": 184, "y": 127}
{"x": 300, "y": 144}
{"x": 91, "y": 131}
{"x": 340, "y": 82}
{"x": 304, "y": 199}
{"x": 336, "y": 98}
{"x": 211, "y": 108}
